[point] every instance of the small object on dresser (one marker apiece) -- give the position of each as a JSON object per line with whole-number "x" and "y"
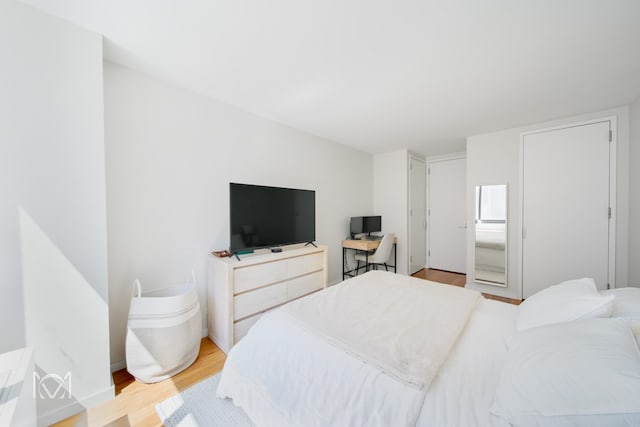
{"x": 222, "y": 254}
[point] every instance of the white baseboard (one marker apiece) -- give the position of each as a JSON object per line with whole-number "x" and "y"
{"x": 73, "y": 408}
{"x": 120, "y": 364}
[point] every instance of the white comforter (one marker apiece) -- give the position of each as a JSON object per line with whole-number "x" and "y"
{"x": 281, "y": 374}
{"x": 381, "y": 317}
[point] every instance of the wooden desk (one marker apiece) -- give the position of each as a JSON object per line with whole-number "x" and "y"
{"x": 363, "y": 245}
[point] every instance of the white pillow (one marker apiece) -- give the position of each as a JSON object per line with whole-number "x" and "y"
{"x": 627, "y": 302}
{"x": 565, "y": 302}
{"x": 577, "y": 373}
{"x": 627, "y": 305}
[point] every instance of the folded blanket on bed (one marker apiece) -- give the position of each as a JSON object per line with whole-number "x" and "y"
{"x": 402, "y": 325}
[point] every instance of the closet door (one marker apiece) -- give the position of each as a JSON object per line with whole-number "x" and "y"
{"x": 447, "y": 215}
{"x": 565, "y": 206}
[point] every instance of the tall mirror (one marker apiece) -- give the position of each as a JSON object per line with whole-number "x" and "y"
{"x": 490, "y": 255}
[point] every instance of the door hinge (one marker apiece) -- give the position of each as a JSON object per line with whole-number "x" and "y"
{"x": 428, "y": 171}
{"x": 428, "y": 212}
{"x": 609, "y": 213}
{"x": 411, "y": 258}
{"x": 524, "y": 232}
{"x": 610, "y": 135}
{"x": 429, "y": 252}
{"x": 608, "y": 286}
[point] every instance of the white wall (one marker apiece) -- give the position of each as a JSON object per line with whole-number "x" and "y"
{"x": 634, "y": 193}
{"x": 494, "y": 158}
{"x": 170, "y": 157}
{"x": 391, "y": 199}
{"x": 53, "y": 250}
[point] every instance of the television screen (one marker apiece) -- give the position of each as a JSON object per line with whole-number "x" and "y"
{"x": 270, "y": 216}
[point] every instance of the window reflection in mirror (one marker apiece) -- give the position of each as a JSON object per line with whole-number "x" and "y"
{"x": 490, "y": 255}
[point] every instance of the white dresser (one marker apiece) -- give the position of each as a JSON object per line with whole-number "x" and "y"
{"x": 239, "y": 292}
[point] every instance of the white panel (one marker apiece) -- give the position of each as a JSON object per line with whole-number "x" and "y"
{"x": 53, "y": 278}
{"x": 247, "y": 278}
{"x": 447, "y": 223}
{"x": 417, "y": 215}
{"x": 565, "y": 206}
{"x": 391, "y": 200}
{"x": 634, "y": 198}
{"x": 305, "y": 264}
{"x": 17, "y": 405}
{"x": 304, "y": 285}
{"x": 258, "y": 300}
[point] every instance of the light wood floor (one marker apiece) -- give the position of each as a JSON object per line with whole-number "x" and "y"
{"x": 134, "y": 404}
{"x": 456, "y": 279}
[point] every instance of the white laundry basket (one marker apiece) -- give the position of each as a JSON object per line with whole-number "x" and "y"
{"x": 163, "y": 331}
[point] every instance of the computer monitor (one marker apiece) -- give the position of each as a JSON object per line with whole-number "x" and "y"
{"x": 371, "y": 224}
{"x": 365, "y": 224}
{"x": 355, "y": 227}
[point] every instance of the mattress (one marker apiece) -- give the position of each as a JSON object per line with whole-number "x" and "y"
{"x": 283, "y": 375}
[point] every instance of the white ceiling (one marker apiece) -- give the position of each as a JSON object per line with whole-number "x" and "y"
{"x": 379, "y": 75}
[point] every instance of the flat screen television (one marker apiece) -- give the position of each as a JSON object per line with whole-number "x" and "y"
{"x": 365, "y": 224}
{"x": 263, "y": 217}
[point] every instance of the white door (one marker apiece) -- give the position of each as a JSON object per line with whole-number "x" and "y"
{"x": 447, "y": 215}
{"x": 417, "y": 214}
{"x": 565, "y": 206}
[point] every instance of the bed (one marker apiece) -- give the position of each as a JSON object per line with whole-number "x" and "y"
{"x": 293, "y": 368}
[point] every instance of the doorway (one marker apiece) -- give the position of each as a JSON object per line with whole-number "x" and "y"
{"x": 446, "y": 213}
{"x": 567, "y": 224}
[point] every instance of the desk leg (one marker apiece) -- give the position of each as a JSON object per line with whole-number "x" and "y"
{"x": 395, "y": 258}
{"x": 344, "y": 263}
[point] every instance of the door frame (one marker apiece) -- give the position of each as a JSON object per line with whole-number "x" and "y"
{"x": 430, "y": 161}
{"x": 411, "y": 158}
{"x": 613, "y": 153}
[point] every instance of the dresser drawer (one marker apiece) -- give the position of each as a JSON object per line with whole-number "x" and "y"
{"x": 241, "y": 327}
{"x": 304, "y": 285}
{"x": 305, "y": 264}
{"x": 260, "y": 299}
{"x": 255, "y": 276}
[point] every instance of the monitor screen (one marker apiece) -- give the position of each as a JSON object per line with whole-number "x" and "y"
{"x": 355, "y": 227}
{"x": 270, "y": 216}
{"x": 371, "y": 224}
{"x": 365, "y": 224}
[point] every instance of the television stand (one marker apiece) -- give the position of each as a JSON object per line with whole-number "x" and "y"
{"x": 310, "y": 243}
{"x": 239, "y": 293}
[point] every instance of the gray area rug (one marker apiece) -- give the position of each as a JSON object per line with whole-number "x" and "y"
{"x": 198, "y": 406}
